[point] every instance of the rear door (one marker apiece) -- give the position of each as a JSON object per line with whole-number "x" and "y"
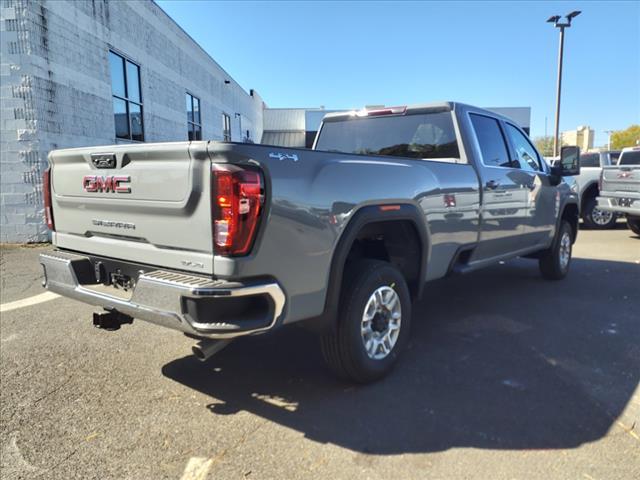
{"x": 147, "y": 203}
{"x": 504, "y": 196}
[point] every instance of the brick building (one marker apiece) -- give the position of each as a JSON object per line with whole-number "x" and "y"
{"x": 582, "y": 137}
{"x": 101, "y": 72}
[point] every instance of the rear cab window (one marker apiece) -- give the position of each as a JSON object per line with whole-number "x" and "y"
{"x": 419, "y": 135}
{"x": 629, "y": 157}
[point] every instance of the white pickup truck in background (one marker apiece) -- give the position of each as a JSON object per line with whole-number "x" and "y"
{"x": 620, "y": 188}
{"x": 591, "y": 165}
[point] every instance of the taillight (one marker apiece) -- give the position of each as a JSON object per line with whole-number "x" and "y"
{"x": 237, "y": 205}
{"x": 46, "y": 192}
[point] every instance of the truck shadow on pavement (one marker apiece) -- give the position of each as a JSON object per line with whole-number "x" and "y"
{"x": 499, "y": 359}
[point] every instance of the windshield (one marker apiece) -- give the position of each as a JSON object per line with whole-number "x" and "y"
{"x": 428, "y": 135}
{"x": 631, "y": 157}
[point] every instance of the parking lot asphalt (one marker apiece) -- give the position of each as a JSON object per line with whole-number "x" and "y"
{"x": 507, "y": 376}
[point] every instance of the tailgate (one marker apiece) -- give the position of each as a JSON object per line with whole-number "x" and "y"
{"x": 621, "y": 179}
{"x": 148, "y": 203}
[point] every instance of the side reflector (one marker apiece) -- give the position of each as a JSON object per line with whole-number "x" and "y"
{"x": 237, "y": 206}
{"x": 46, "y": 193}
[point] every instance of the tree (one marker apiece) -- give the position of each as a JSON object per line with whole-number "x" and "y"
{"x": 625, "y": 138}
{"x": 544, "y": 145}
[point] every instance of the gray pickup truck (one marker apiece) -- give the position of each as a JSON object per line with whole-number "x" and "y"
{"x": 620, "y": 188}
{"x": 221, "y": 240}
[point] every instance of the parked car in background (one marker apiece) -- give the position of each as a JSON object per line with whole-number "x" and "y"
{"x": 591, "y": 164}
{"x": 620, "y": 188}
{"x": 614, "y": 155}
{"x": 587, "y": 186}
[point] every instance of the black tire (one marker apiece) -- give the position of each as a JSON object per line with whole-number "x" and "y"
{"x": 595, "y": 218}
{"x": 551, "y": 264}
{"x": 344, "y": 348}
{"x": 634, "y": 224}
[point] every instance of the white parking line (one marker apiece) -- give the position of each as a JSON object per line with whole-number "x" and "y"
{"x": 27, "y": 302}
{"x": 197, "y": 468}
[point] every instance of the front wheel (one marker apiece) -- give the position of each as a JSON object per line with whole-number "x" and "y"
{"x": 634, "y": 224}
{"x": 598, "y": 219}
{"x": 554, "y": 262}
{"x": 373, "y": 322}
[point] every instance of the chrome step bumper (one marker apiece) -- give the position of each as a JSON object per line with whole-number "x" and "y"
{"x": 162, "y": 297}
{"x": 620, "y": 202}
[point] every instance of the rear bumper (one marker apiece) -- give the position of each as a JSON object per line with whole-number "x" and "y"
{"x": 192, "y": 304}
{"x": 620, "y": 202}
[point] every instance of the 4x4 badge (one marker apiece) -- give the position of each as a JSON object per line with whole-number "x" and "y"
{"x": 284, "y": 156}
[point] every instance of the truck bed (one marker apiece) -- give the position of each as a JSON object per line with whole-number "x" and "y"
{"x": 165, "y": 218}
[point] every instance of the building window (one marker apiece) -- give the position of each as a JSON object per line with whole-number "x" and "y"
{"x": 194, "y": 124}
{"x": 226, "y": 127}
{"x": 127, "y": 99}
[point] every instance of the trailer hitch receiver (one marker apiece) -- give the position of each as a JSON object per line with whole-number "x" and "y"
{"x": 110, "y": 320}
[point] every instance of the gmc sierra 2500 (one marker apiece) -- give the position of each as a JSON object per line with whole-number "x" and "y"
{"x": 620, "y": 188}
{"x": 220, "y": 240}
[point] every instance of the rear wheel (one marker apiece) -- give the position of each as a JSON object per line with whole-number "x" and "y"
{"x": 554, "y": 262}
{"x": 634, "y": 224}
{"x": 595, "y": 218}
{"x": 373, "y": 322}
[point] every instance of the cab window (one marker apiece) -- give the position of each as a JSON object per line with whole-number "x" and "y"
{"x": 629, "y": 157}
{"x": 590, "y": 160}
{"x": 492, "y": 143}
{"x": 526, "y": 155}
{"x": 429, "y": 136}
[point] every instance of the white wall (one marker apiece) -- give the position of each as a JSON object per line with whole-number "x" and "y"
{"x": 56, "y": 90}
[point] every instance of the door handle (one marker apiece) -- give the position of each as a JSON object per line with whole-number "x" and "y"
{"x": 492, "y": 184}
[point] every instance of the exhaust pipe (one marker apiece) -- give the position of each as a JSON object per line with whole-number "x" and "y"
{"x": 205, "y": 349}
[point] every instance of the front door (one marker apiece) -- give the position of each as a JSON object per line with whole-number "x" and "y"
{"x": 542, "y": 195}
{"x": 504, "y": 194}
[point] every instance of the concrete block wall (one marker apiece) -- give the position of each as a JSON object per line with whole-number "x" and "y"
{"x": 56, "y": 90}
{"x": 21, "y": 162}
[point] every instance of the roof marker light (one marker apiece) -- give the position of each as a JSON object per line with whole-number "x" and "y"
{"x": 400, "y": 110}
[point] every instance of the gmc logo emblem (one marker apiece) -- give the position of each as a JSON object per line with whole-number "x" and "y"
{"x": 110, "y": 183}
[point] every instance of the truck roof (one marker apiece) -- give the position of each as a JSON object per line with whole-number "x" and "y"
{"x": 446, "y": 106}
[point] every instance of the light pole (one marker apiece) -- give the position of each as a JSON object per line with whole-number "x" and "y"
{"x": 561, "y": 25}
{"x": 609, "y": 132}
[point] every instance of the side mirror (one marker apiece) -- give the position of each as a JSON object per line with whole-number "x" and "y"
{"x": 569, "y": 163}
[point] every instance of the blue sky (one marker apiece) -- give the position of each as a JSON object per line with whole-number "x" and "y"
{"x": 346, "y": 55}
